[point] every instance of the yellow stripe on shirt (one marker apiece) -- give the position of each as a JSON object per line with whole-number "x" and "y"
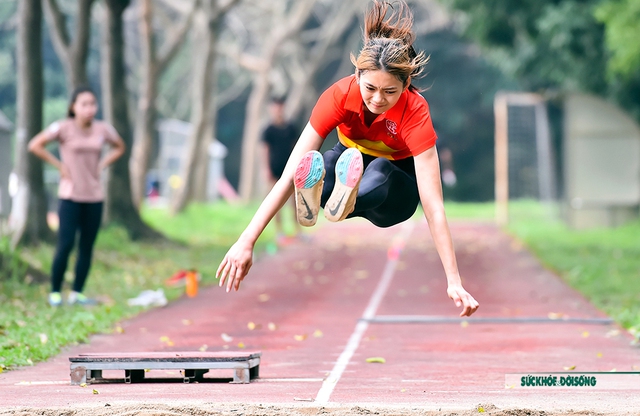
{"x": 368, "y": 147}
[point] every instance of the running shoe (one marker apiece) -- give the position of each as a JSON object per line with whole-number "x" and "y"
{"x": 342, "y": 201}
{"x": 77, "y": 298}
{"x": 55, "y": 299}
{"x": 308, "y": 181}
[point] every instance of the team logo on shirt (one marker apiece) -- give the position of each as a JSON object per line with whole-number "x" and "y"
{"x": 392, "y": 127}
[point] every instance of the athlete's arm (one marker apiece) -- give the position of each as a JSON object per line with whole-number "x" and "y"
{"x": 430, "y": 188}
{"x": 238, "y": 260}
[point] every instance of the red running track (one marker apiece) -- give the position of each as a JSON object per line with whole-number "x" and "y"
{"x": 315, "y": 351}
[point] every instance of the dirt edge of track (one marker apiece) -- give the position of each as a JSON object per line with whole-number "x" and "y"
{"x": 229, "y": 409}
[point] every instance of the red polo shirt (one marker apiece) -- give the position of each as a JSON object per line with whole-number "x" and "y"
{"x": 403, "y": 131}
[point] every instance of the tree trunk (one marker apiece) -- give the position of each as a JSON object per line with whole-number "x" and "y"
{"x": 29, "y": 211}
{"x": 154, "y": 63}
{"x": 288, "y": 26}
{"x": 119, "y": 206}
{"x": 72, "y": 54}
{"x": 206, "y": 27}
{"x": 146, "y": 118}
{"x": 251, "y": 134}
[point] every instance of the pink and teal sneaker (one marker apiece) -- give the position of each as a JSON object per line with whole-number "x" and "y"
{"x": 308, "y": 181}
{"x": 342, "y": 201}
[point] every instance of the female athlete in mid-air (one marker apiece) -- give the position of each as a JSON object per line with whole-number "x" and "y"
{"x": 385, "y": 162}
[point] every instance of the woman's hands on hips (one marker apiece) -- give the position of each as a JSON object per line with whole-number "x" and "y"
{"x": 235, "y": 265}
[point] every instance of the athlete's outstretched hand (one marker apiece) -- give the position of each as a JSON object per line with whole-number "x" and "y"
{"x": 235, "y": 265}
{"x": 462, "y": 298}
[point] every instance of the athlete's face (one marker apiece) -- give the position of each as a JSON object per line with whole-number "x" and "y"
{"x": 380, "y": 90}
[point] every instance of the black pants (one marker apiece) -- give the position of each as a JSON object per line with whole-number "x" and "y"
{"x": 82, "y": 217}
{"x": 388, "y": 193}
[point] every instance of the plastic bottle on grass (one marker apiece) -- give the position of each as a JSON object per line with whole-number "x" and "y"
{"x": 192, "y": 283}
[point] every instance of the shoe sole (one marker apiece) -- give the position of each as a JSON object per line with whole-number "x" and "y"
{"x": 342, "y": 201}
{"x": 308, "y": 181}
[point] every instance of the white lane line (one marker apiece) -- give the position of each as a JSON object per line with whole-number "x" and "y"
{"x": 369, "y": 313}
{"x": 288, "y": 380}
{"x": 42, "y": 383}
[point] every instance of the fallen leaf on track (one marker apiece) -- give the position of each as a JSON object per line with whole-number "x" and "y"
{"x": 95, "y": 391}
{"x": 226, "y": 338}
{"x": 585, "y": 334}
{"x": 317, "y": 333}
{"x": 300, "y": 337}
{"x": 264, "y": 297}
{"x": 167, "y": 341}
{"x": 240, "y": 344}
{"x": 573, "y": 367}
{"x": 554, "y": 315}
{"x": 272, "y": 326}
{"x": 361, "y": 274}
{"x": 379, "y": 360}
{"x": 203, "y": 348}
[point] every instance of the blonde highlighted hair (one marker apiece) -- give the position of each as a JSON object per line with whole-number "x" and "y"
{"x": 388, "y": 43}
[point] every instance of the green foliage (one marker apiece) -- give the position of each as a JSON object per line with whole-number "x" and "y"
{"x": 11, "y": 265}
{"x": 479, "y": 211}
{"x": 31, "y": 331}
{"x": 622, "y": 22}
{"x": 204, "y": 224}
{"x": 601, "y": 263}
{"x": 460, "y": 86}
{"x": 552, "y": 43}
{"x": 54, "y": 109}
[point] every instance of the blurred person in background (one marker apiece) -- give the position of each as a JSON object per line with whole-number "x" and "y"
{"x": 278, "y": 140}
{"x": 81, "y": 140}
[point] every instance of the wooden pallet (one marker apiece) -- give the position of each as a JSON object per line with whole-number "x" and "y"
{"x": 87, "y": 368}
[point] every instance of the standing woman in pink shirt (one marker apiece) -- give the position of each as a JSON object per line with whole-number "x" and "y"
{"x": 81, "y": 139}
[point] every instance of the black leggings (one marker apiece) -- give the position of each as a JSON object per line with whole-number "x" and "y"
{"x": 75, "y": 216}
{"x": 388, "y": 193}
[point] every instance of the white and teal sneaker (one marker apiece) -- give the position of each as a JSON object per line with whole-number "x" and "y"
{"x": 77, "y": 298}
{"x": 55, "y": 299}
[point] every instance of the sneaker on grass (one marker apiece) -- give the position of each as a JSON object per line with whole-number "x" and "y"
{"x": 55, "y": 299}
{"x": 77, "y": 298}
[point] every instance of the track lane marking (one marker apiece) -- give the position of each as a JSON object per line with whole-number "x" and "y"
{"x": 329, "y": 384}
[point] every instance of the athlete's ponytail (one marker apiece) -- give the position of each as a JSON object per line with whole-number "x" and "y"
{"x": 388, "y": 43}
